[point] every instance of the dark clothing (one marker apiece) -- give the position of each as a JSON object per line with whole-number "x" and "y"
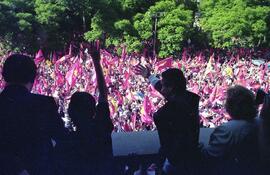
{"x": 28, "y": 123}
{"x": 178, "y": 128}
{"x": 233, "y": 148}
{"x": 91, "y": 145}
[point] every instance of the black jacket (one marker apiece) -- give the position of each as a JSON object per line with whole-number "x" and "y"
{"x": 28, "y": 123}
{"x": 178, "y": 128}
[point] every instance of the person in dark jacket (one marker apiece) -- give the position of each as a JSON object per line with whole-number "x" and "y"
{"x": 177, "y": 121}
{"x": 29, "y": 122}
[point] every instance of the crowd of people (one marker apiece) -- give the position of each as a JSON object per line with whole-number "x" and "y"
{"x": 132, "y": 100}
{"x": 34, "y": 140}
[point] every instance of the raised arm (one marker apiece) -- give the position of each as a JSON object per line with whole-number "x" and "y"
{"x": 95, "y": 54}
{"x": 145, "y": 72}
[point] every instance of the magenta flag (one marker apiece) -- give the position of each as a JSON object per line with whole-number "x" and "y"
{"x": 195, "y": 89}
{"x": 217, "y": 119}
{"x": 213, "y": 95}
{"x": 73, "y": 74}
{"x": 124, "y": 53}
{"x": 201, "y": 57}
{"x": 133, "y": 120}
{"x": 184, "y": 55}
{"x": 204, "y": 120}
{"x": 163, "y": 64}
{"x": 54, "y": 58}
{"x": 62, "y": 59}
{"x": 126, "y": 78}
{"x": 59, "y": 79}
{"x": 39, "y": 57}
{"x": 119, "y": 98}
{"x": 146, "y": 113}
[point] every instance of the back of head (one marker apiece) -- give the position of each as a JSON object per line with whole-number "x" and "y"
{"x": 175, "y": 78}
{"x": 240, "y": 103}
{"x": 19, "y": 69}
{"x": 82, "y": 108}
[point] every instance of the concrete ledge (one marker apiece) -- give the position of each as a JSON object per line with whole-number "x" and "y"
{"x": 144, "y": 143}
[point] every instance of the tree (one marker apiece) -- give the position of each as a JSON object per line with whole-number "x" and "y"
{"x": 235, "y": 23}
{"x": 174, "y": 25}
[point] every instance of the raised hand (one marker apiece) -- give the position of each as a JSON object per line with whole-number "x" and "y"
{"x": 94, "y": 50}
{"x": 142, "y": 70}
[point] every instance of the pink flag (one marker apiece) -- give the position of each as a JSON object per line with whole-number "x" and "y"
{"x": 124, "y": 53}
{"x": 147, "y": 108}
{"x": 119, "y": 98}
{"x": 195, "y": 89}
{"x": 39, "y": 57}
{"x": 54, "y": 58}
{"x": 62, "y": 59}
{"x": 213, "y": 95}
{"x": 163, "y": 64}
{"x": 126, "y": 80}
{"x": 204, "y": 120}
{"x": 74, "y": 73}
{"x": 217, "y": 119}
{"x": 60, "y": 81}
{"x": 184, "y": 55}
{"x": 133, "y": 120}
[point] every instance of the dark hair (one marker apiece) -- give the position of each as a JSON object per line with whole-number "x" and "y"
{"x": 19, "y": 69}
{"x": 82, "y": 108}
{"x": 240, "y": 103}
{"x": 175, "y": 78}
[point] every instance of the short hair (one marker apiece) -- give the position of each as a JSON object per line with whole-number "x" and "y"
{"x": 175, "y": 78}
{"x": 82, "y": 108}
{"x": 240, "y": 103}
{"x": 19, "y": 69}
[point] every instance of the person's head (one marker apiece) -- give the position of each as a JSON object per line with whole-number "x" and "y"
{"x": 240, "y": 103}
{"x": 173, "y": 82}
{"x": 82, "y": 108}
{"x": 19, "y": 69}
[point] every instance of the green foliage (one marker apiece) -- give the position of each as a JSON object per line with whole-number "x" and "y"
{"x": 52, "y": 24}
{"x": 174, "y": 25}
{"x": 235, "y": 23}
{"x": 49, "y": 13}
{"x": 96, "y": 29}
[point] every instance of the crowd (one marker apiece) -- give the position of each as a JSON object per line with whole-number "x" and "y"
{"x": 35, "y": 141}
{"x": 132, "y": 100}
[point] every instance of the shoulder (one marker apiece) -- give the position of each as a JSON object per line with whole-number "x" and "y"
{"x": 235, "y": 125}
{"x": 43, "y": 98}
{"x": 44, "y": 102}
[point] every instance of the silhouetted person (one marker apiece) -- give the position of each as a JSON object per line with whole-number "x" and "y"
{"x": 29, "y": 122}
{"x": 233, "y": 146}
{"x": 177, "y": 121}
{"x": 264, "y": 130}
{"x": 91, "y": 142}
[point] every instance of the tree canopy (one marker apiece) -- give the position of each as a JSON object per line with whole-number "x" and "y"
{"x": 52, "y": 24}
